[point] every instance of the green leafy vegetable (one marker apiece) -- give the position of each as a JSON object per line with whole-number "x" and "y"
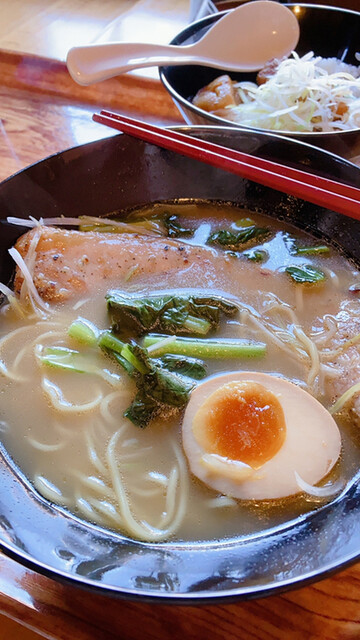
{"x": 160, "y": 391}
{"x": 142, "y": 410}
{"x": 238, "y": 236}
{"x": 173, "y": 314}
{"x": 163, "y": 383}
{"x": 256, "y": 255}
{"x": 186, "y": 366}
{"x": 175, "y": 229}
{"x": 305, "y": 274}
{"x": 219, "y": 349}
{"x": 164, "y": 377}
{"x": 164, "y": 386}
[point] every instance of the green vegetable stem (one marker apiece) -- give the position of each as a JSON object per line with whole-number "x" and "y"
{"x": 320, "y": 249}
{"x": 208, "y": 348}
{"x": 83, "y": 331}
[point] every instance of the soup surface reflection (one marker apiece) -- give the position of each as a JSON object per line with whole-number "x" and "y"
{"x": 63, "y": 400}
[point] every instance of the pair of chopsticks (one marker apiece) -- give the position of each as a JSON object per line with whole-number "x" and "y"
{"x": 323, "y": 192}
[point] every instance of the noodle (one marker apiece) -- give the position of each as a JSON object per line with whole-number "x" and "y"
{"x": 77, "y": 448}
{"x": 171, "y": 519}
{"x": 107, "y": 510}
{"x": 138, "y": 530}
{"x": 276, "y": 339}
{"x": 341, "y": 402}
{"x": 327, "y": 334}
{"x": 170, "y": 502}
{"x": 331, "y": 354}
{"x": 97, "y": 485}
{"x": 58, "y": 401}
{"x": 41, "y": 446}
{"x": 146, "y": 493}
{"x": 49, "y": 490}
{"x": 89, "y": 513}
{"x": 79, "y": 304}
{"x": 93, "y": 456}
{"x": 312, "y": 353}
{"x": 9, "y": 374}
{"x": 107, "y": 401}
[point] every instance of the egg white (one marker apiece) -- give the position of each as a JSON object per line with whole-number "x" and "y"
{"x": 311, "y": 447}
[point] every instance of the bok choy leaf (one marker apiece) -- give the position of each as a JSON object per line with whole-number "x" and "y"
{"x": 305, "y": 274}
{"x": 170, "y": 313}
{"x": 159, "y": 390}
{"x": 239, "y": 235}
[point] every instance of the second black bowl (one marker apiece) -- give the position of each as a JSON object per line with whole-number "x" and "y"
{"x": 330, "y": 32}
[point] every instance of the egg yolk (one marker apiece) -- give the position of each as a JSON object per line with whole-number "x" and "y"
{"x": 241, "y": 421}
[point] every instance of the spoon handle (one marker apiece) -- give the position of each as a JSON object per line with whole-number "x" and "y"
{"x": 94, "y": 63}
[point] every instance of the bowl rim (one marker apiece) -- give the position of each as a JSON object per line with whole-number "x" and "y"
{"x": 227, "y": 595}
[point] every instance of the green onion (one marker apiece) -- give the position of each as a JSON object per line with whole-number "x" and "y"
{"x": 130, "y": 357}
{"x": 219, "y": 349}
{"x": 63, "y": 358}
{"x": 83, "y": 331}
{"x": 312, "y": 251}
{"x": 71, "y": 360}
{"x": 107, "y": 340}
{"x": 124, "y": 363}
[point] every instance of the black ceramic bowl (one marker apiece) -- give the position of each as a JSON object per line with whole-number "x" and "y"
{"x": 327, "y": 31}
{"x": 120, "y": 173}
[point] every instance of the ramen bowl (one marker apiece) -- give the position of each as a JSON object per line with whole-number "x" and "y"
{"x": 121, "y": 173}
{"x": 329, "y": 32}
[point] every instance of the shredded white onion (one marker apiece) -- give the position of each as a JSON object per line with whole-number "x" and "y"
{"x": 6, "y": 291}
{"x": 304, "y": 94}
{"x": 18, "y": 259}
{"x": 31, "y": 222}
{"x": 150, "y": 227}
{"x": 319, "y": 492}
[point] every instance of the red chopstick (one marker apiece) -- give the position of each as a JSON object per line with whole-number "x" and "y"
{"x": 323, "y": 192}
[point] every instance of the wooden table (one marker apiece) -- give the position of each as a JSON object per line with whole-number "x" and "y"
{"x": 43, "y": 111}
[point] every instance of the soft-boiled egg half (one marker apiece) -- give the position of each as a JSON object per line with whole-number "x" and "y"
{"x": 248, "y": 434}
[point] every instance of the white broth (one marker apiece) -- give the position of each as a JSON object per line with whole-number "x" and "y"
{"x": 66, "y": 431}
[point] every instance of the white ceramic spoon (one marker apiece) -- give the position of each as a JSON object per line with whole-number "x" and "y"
{"x": 242, "y": 40}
